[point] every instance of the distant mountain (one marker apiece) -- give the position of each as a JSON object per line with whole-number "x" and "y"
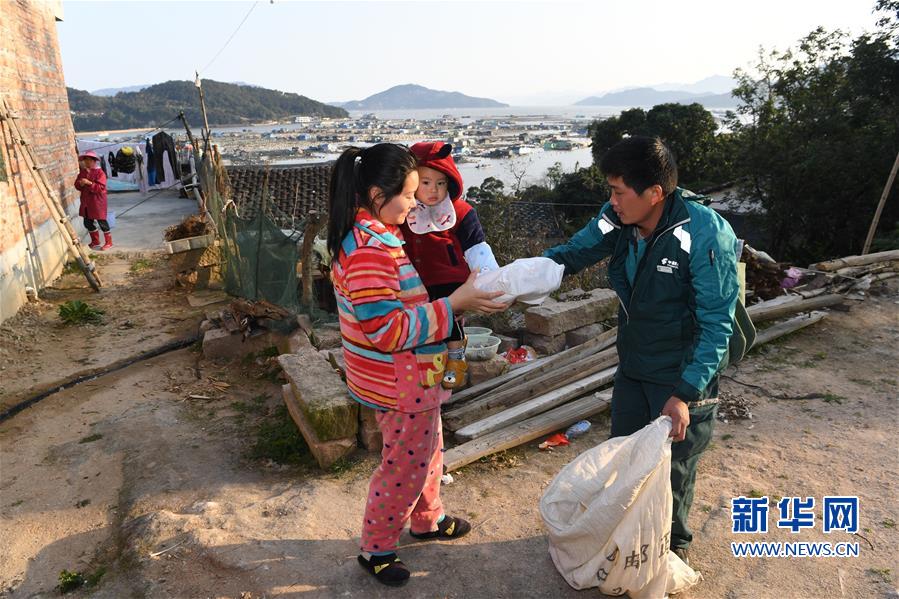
{"x": 716, "y": 84}
{"x": 111, "y": 91}
{"x": 415, "y": 96}
{"x": 648, "y": 97}
{"x": 226, "y": 104}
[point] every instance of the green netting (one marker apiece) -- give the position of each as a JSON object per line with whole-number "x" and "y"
{"x": 259, "y": 259}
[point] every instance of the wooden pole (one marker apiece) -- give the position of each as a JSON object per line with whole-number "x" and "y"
{"x": 480, "y": 408}
{"x": 309, "y": 233}
{"x": 203, "y": 110}
{"x": 848, "y": 261}
{"x": 536, "y": 368}
{"x": 883, "y": 199}
{"x": 527, "y": 430}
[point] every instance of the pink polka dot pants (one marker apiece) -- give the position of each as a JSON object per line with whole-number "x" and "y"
{"x": 407, "y": 483}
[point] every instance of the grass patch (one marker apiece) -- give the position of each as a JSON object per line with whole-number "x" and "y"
{"x": 833, "y": 398}
{"x": 142, "y": 264}
{"x": 278, "y": 439}
{"x": 78, "y": 312}
{"x": 17, "y": 503}
{"x": 884, "y": 574}
{"x": 93, "y": 579}
{"x": 255, "y": 406}
{"x": 91, "y": 438}
{"x": 726, "y": 437}
{"x": 888, "y": 523}
{"x": 71, "y": 268}
{"x": 83, "y": 503}
{"x": 269, "y": 352}
{"x": 343, "y": 465}
{"x": 70, "y": 581}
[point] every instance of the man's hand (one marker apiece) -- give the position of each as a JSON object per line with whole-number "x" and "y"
{"x": 680, "y": 417}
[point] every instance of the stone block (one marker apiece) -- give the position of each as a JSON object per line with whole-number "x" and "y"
{"x": 295, "y": 343}
{"x": 325, "y": 452}
{"x": 220, "y": 345}
{"x": 545, "y": 345}
{"x": 575, "y": 293}
{"x": 554, "y": 319}
{"x": 322, "y": 395}
{"x": 584, "y": 334}
{"x": 484, "y": 370}
{"x": 369, "y": 432}
{"x": 327, "y": 338}
{"x": 506, "y": 342}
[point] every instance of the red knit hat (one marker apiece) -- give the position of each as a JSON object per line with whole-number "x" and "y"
{"x": 438, "y": 156}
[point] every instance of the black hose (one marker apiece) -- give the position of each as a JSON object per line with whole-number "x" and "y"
{"x": 151, "y": 353}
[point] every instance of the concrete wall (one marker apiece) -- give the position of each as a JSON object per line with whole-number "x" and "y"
{"x": 32, "y": 251}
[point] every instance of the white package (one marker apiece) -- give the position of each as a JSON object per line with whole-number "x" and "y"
{"x": 608, "y": 516}
{"x": 528, "y": 280}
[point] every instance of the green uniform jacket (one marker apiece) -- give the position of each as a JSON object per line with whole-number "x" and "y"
{"x": 675, "y": 321}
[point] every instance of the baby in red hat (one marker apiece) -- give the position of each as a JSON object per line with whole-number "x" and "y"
{"x": 445, "y": 241}
{"x": 91, "y": 182}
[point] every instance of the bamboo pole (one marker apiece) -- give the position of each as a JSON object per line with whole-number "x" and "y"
{"x": 883, "y": 198}
{"x": 52, "y": 202}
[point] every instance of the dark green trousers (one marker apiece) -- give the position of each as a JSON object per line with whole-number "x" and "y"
{"x": 637, "y": 403}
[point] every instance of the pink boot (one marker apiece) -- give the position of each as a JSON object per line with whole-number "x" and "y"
{"x": 95, "y": 240}
{"x": 108, "y": 236}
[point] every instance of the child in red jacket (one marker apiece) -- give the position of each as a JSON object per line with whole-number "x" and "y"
{"x": 91, "y": 182}
{"x": 445, "y": 241}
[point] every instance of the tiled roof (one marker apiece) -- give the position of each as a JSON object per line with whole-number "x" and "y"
{"x": 290, "y": 191}
{"x": 295, "y": 190}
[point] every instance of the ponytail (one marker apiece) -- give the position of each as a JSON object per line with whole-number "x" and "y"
{"x": 342, "y": 198}
{"x": 384, "y": 166}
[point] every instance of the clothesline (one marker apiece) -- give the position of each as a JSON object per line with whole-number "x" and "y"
{"x": 140, "y": 138}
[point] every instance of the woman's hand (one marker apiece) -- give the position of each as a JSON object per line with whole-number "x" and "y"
{"x": 469, "y": 297}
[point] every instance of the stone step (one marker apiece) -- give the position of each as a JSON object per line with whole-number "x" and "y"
{"x": 325, "y": 452}
{"x": 321, "y": 394}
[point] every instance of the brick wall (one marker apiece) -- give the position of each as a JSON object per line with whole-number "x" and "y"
{"x": 32, "y": 252}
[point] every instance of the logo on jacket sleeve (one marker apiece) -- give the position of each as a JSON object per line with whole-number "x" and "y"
{"x": 667, "y": 265}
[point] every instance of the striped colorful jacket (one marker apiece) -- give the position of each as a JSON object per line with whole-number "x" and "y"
{"x": 392, "y": 335}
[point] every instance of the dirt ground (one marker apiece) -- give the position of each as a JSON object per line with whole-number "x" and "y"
{"x": 150, "y": 493}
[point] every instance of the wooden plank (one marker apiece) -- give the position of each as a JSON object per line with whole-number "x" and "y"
{"x": 535, "y": 406}
{"x": 788, "y": 326}
{"x": 857, "y": 260}
{"x": 536, "y": 368}
{"x": 494, "y": 402}
{"x": 778, "y": 308}
{"x": 527, "y": 430}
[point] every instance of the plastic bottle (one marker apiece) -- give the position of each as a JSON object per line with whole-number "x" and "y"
{"x": 577, "y": 429}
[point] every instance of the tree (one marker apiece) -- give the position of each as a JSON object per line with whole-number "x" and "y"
{"x": 819, "y": 130}
{"x": 687, "y": 129}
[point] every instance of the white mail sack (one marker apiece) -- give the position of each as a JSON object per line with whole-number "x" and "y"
{"x": 528, "y": 280}
{"x": 608, "y": 516}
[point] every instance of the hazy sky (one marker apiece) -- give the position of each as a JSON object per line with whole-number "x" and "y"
{"x": 515, "y": 52}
